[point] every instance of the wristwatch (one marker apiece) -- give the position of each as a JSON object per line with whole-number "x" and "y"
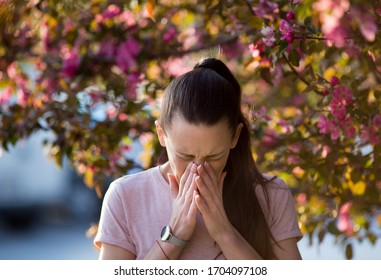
{"x": 167, "y": 236}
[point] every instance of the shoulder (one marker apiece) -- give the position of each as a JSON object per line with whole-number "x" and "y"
{"x": 275, "y": 184}
{"x": 275, "y": 193}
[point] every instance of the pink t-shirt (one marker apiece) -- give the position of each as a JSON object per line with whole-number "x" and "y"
{"x": 136, "y": 207}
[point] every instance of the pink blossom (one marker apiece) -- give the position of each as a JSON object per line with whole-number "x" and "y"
{"x": 265, "y": 8}
{"x": 107, "y": 48}
{"x": 270, "y": 139}
{"x": 122, "y": 117}
{"x": 269, "y": 38}
{"x": 331, "y": 13}
{"x": 132, "y": 81}
{"x": 170, "y": 34}
{"x": 342, "y": 96}
{"x": 372, "y": 134}
{"x": 71, "y": 62}
{"x": 377, "y": 121}
{"x": 344, "y": 221}
{"x": 127, "y": 53}
{"x": 327, "y": 126}
{"x": 111, "y": 11}
{"x": 15, "y": 74}
{"x": 367, "y": 23}
{"x": 128, "y": 18}
{"x": 176, "y": 66}
{"x": 301, "y": 199}
{"x": 22, "y": 97}
{"x": 334, "y": 81}
{"x": 262, "y": 114}
{"x": 290, "y": 15}
{"x": 257, "y": 48}
{"x": 5, "y": 96}
{"x": 293, "y": 160}
{"x": 296, "y": 1}
{"x": 287, "y": 31}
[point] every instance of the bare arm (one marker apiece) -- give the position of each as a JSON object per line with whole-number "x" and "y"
{"x": 113, "y": 252}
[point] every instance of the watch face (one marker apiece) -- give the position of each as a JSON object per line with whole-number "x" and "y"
{"x": 165, "y": 233}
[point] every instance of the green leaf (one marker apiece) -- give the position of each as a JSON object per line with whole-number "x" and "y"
{"x": 255, "y": 22}
{"x": 294, "y": 58}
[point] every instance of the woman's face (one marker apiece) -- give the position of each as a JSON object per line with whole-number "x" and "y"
{"x": 187, "y": 142}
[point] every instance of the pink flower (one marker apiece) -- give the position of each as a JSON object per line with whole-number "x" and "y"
{"x": 262, "y": 114}
{"x": 270, "y": 139}
{"x": 5, "y": 96}
{"x": 334, "y": 81}
{"x": 290, "y": 15}
{"x": 269, "y": 38}
{"x": 287, "y": 31}
{"x": 265, "y": 8}
{"x": 377, "y": 121}
{"x": 367, "y": 23}
{"x": 344, "y": 221}
{"x": 170, "y": 34}
{"x": 342, "y": 96}
{"x": 111, "y": 11}
{"x": 331, "y": 12}
{"x": 327, "y": 126}
{"x": 127, "y": 53}
{"x": 22, "y": 97}
{"x": 107, "y": 48}
{"x": 176, "y": 66}
{"x": 132, "y": 81}
{"x": 70, "y": 63}
{"x": 256, "y": 49}
{"x": 128, "y": 18}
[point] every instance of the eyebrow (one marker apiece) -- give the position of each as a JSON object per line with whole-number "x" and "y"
{"x": 212, "y": 155}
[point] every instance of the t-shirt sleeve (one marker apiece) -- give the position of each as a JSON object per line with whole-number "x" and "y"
{"x": 113, "y": 223}
{"x": 284, "y": 222}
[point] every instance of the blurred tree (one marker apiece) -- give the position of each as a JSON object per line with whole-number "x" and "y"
{"x": 92, "y": 73}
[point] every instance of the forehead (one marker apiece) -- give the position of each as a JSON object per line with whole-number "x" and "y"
{"x": 198, "y": 139}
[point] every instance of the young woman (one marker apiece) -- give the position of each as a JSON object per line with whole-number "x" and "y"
{"x": 208, "y": 201}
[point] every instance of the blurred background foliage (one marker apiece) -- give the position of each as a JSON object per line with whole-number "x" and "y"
{"x": 93, "y": 72}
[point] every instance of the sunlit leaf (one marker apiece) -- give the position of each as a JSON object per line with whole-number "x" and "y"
{"x": 357, "y": 188}
{"x": 89, "y": 177}
{"x": 150, "y": 6}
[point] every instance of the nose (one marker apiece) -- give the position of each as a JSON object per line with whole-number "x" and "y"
{"x": 198, "y": 161}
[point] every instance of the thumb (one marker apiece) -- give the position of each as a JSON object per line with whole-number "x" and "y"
{"x": 173, "y": 184}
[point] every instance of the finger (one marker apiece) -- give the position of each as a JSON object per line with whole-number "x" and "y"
{"x": 209, "y": 170}
{"x": 184, "y": 178}
{"x": 173, "y": 185}
{"x": 202, "y": 188}
{"x": 200, "y": 203}
{"x": 189, "y": 192}
{"x": 205, "y": 175}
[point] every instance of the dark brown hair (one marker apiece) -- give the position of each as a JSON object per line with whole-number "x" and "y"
{"x": 206, "y": 95}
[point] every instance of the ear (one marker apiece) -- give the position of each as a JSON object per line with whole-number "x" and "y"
{"x": 236, "y": 136}
{"x": 160, "y": 133}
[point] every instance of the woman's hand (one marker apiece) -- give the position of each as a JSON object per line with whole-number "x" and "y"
{"x": 184, "y": 209}
{"x": 210, "y": 202}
